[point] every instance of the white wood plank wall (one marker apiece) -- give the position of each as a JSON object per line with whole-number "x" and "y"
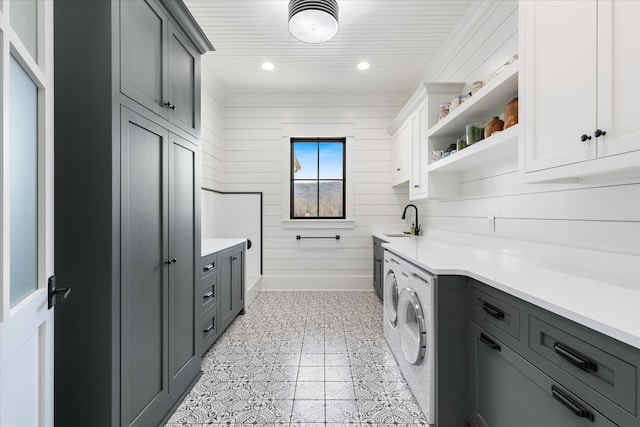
{"x": 212, "y": 148}
{"x": 253, "y": 133}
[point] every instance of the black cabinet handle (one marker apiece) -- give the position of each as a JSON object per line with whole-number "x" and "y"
{"x": 398, "y": 170}
{"x": 416, "y": 186}
{"x": 234, "y": 258}
{"x": 575, "y": 358}
{"x": 598, "y": 133}
{"x": 208, "y": 294}
{"x": 207, "y": 267}
{"x": 174, "y": 260}
{"x": 571, "y": 404}
{"x": 170, "y": 106}
{"x": 208, "y": 328}
{"x": 491, "y": 343}
{"x": 168, "y": 261}
{"x": 378, "y": 260}
{"x": 492, "y": 311}
{"x": 585, "y": 137}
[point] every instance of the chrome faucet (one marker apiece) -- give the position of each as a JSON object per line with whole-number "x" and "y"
{"x": 404, "y": 216}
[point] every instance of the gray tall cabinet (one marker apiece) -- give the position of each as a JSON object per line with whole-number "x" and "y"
{"x": 127, "y": 224}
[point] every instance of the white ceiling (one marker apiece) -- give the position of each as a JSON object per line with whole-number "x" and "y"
{"x": 397, "y": 37}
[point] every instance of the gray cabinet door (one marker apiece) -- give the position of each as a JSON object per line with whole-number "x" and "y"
{"x": 225, "y": 301}
{"x": 237, "y": 277}
{"x": 507, "y": 391}
{"x": 184, "y": 360}
{"x": 144, "y": 251}
{"x": 378, "y": 270}
{"x": 184, "y": 78}
{"x": 143, "y": 53}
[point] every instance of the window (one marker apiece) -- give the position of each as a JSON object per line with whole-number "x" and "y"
{"x": 318, "y": 178}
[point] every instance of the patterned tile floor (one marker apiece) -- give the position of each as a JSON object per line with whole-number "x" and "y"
{"x": 302, "y": 359}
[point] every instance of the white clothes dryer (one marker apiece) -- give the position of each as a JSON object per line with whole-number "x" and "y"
{"x": 411, "y": 335}
{"x": 395, "y": 279}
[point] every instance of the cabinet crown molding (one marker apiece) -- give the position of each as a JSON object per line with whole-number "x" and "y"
{"x": 424, "y": 90}
{"x": 188, "y": 24}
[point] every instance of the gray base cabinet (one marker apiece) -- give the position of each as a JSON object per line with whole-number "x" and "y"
{"x": 222, "y": 286}
{"x": 507, "y": 391}
{"x": 127, "y": 214}
{"x": 530, "y": 367}
{"x": 378, "y": 266}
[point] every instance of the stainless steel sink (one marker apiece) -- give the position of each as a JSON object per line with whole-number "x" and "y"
{"x": 398, "y": 235}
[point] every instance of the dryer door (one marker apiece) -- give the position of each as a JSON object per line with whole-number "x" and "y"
{"x": 412, "y": 326}
{"x": 391, "y": 297}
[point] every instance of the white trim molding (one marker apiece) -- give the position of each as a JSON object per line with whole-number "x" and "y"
{"x": 318, "y": 129}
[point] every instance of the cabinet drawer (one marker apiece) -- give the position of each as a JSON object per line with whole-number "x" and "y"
{"x": 601, "y": 370}
{"x": 208, "y": 265}
{"x": 208, "y": 329}
{"x": 209, "y": 292}
{"x": 494, "y": 310}
{"x": 507, "y": 391}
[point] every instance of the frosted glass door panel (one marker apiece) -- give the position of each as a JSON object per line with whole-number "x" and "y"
{"x": 24, "y": 20}
{"x": 23, "y": 176}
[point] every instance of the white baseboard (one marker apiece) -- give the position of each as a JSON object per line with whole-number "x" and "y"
{"x": 317, "y": 283}
{"x": 254, "y": 286}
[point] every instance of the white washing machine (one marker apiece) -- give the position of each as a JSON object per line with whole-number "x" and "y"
{"x": 408, "y": 327}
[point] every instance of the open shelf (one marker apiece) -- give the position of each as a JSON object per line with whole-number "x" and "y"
{"x": 489, "y": 101}
{"x": 500, "y": 145}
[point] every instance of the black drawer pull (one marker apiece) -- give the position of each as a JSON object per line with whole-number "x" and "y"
{"x": 207, "y": 267}
{"x": 488, "y": 341}
{"x": 492, "y": 311}
{"x": 208, "y": 294}
{"x": 575, "y": 358}
{"x": 208, "y": 328}
{"x": 571, "y": 404}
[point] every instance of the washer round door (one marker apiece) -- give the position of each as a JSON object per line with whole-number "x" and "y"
{"x": 412, "y": 326}
{"x": 391, "y": 298}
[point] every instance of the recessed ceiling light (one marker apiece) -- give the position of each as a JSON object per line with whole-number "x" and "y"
{"x": 268, "y": 66}
{"x": 363, "y": 65}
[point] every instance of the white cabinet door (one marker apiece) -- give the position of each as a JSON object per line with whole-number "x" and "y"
{"x": 399, "y": 155}
{"x": 418, "y": 182}
{"x": 618, "y": 76}
{"x": 558, "y": 92}
{"x": 26, "y": 216}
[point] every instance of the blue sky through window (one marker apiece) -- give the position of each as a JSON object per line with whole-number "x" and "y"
{"x": 331, "y": 160}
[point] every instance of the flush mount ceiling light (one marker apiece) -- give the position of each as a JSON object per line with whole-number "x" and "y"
{"x": 313, "y": 21}
{"x": 363, "y": 65}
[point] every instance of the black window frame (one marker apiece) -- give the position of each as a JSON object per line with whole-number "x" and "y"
{"x": 292, "y": 180}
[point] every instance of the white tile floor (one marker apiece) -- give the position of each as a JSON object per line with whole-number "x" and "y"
{"x": 302, "y": 359}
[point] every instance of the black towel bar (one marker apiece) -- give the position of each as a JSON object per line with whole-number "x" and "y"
{"x": 337, "y": 237}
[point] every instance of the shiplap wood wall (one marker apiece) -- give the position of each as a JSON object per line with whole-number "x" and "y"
{"x": 242, "y": 151}
{"x": 253, "y": 135}
{"x": 211, "y": 128}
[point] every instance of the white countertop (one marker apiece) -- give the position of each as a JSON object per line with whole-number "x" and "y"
{"x": 210, "y": 246}
{"x": 608, "y": 305}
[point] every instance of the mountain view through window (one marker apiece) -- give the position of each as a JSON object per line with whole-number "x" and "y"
{"x": 317, "y": 183}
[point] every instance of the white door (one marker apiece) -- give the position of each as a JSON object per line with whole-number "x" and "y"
{"x": 26, "y": 200}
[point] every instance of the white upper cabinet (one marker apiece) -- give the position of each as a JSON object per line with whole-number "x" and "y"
{"x": 580, "y": 90}
{"x": 410, "y": 149}
{"x": 418, "y": 181}
{"x": 400, "y": 155}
